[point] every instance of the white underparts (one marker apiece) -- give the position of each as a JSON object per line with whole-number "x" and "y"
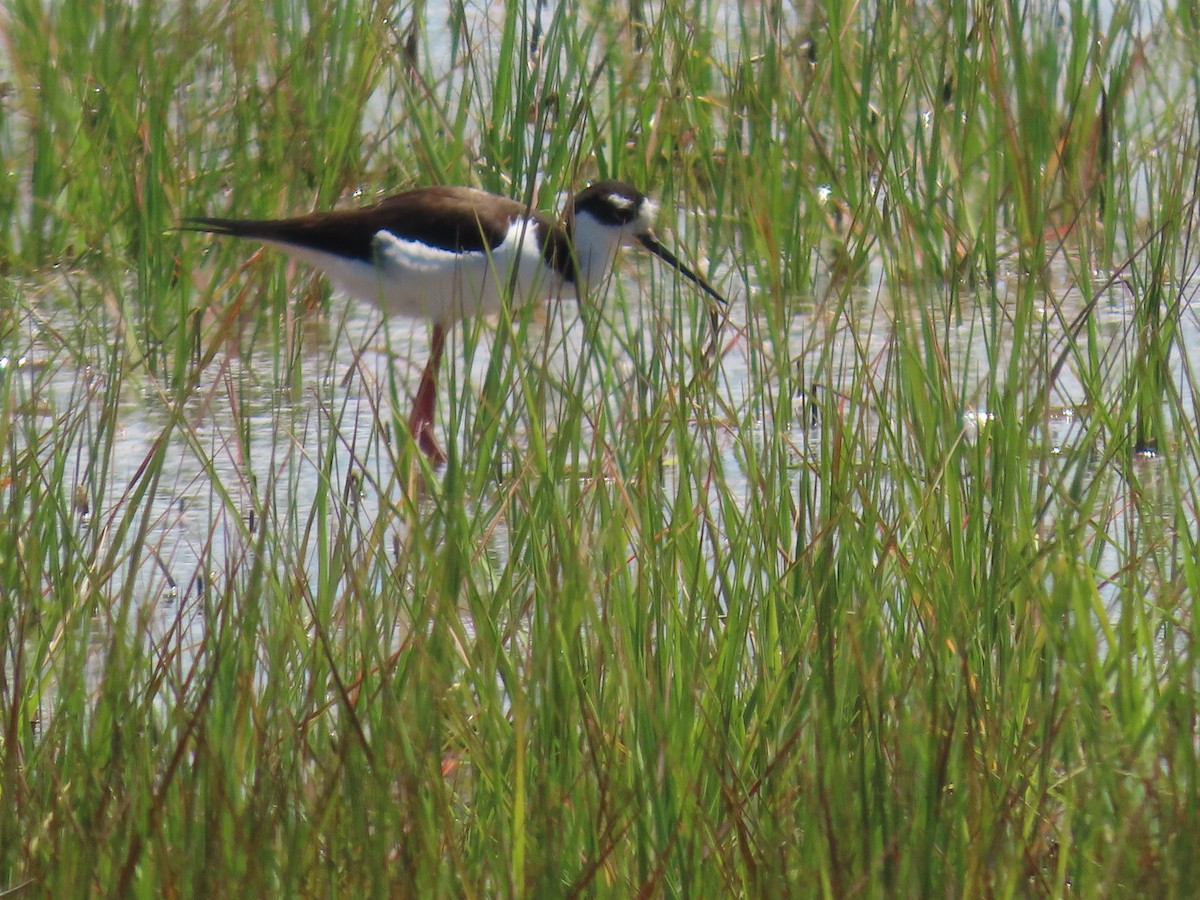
{"x": 413, "y": 279}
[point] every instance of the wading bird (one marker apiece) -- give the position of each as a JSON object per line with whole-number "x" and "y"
{"x": 445, "y": 253}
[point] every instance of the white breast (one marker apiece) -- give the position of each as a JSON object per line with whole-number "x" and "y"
{"x": 413, "y": 279}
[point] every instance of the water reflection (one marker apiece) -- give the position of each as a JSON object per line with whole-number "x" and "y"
{"x": 271, "y": 433}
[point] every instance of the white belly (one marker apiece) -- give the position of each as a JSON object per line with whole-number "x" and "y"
{"x": 412, "y": 279}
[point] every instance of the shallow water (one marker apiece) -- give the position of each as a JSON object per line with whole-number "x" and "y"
{"x": 269, "y": 447}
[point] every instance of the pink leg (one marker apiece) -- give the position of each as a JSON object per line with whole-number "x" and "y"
{"x": 420, "y": 423}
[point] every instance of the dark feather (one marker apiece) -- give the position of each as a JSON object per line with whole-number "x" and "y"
{"x": 457, "y": 219}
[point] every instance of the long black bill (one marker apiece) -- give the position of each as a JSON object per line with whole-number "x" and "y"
{"x": 715, "y": 315}
{"x": 651, "y": 243}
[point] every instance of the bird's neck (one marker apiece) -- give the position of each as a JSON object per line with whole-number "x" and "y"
{"x": 594, "y": 249}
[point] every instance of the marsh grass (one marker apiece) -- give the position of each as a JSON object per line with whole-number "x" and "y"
{"x": 892, "y": 600}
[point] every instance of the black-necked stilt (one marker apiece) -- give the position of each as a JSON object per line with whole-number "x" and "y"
{"x": 444, "y": 253}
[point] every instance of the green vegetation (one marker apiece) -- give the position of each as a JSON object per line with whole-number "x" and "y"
{"x": 899, "y": 599}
